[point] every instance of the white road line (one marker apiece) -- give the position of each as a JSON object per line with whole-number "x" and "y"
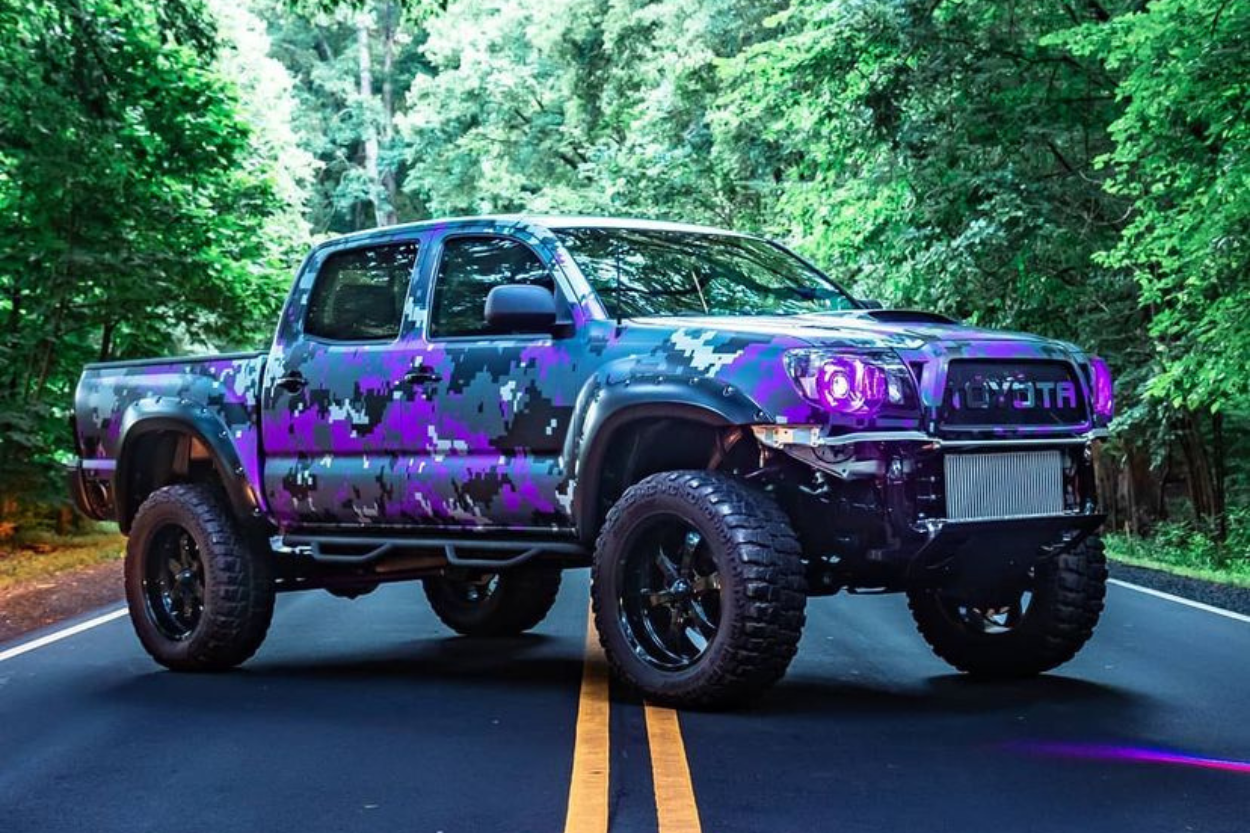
{"x": 57, "y": 636}
{"x": 1218, "y": 611}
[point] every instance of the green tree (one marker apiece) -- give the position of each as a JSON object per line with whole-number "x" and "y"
{"x": 1181, "y": 159}
{"x": 575, "y": 105}
{"x": 134, "y": 218}
{"x": 352, "y": 63}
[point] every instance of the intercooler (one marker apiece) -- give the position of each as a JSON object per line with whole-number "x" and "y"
{"x": 1011, "y": 484}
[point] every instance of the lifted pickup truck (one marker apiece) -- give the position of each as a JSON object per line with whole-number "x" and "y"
{"x": 712, "y": 425}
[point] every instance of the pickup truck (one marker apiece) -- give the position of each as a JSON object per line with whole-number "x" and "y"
{"x": 712, "y": 425}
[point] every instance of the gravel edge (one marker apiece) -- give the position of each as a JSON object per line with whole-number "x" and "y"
{"x": 1236, "y": 599}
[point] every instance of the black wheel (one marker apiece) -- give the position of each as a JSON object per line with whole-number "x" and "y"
{"x": 1040, "y": 628}
{"x": 494, "y": 604}
{"x": 698, "y": 589}
{"x": 200, "y": 592}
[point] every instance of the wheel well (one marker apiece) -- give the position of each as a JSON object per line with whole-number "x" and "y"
{"x": 646, "y": 446}
{"x": 160, "y": 458}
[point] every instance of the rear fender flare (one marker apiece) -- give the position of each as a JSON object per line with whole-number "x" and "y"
{"x": 148, "y": 416}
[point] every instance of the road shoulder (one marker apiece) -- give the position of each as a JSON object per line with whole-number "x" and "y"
{"x": 36, "y": 604}
{"x": 1236, "y": 599}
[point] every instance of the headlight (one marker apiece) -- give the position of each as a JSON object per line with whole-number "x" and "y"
{"x": 1102, "y": 389}
{"x": 847, "y": 383}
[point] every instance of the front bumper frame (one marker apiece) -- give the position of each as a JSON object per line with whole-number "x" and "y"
{"x": 973, "y": 559}
{"x": 783, "y": 437}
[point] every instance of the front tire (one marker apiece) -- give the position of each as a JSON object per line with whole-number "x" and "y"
{"x": 698, "y": 589}
{"x": 200, "y": 591}
{"x": 1050, "y": 622}
{"x": 494, "y": 604}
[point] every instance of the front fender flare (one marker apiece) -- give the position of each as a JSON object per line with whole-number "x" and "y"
{"x": 603, "y": 409}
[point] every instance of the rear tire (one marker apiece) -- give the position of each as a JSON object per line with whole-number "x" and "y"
{"x": 1066, "y": 601}
{"x": 698, "y": 589}
{"x": 495, "y": 604}
{"x": 200, "y": 591}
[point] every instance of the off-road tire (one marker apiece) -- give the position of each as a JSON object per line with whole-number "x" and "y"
{"x": 238, "y": 580}
{"x": 1068, "y": 593}
{"x": 521, "y": 599}
{"x": 762, "y": 588}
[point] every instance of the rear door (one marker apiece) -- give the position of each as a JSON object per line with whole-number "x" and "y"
{"x": 336, "y": 398}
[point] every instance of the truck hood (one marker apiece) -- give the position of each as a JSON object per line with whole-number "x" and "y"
{"x": 896, "y": 329}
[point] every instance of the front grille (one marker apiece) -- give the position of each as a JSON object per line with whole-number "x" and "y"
{"x": 984, "y": 394}
{"x": 1011, "y": 484}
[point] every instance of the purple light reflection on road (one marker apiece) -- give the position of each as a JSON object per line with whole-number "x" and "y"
{"x": 1132, "y": 754}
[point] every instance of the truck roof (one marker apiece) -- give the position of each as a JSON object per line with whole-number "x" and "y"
{"x": 548, "y": 221}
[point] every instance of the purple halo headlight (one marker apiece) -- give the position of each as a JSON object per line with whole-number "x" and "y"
{"x": 845, "y": 383}
{"x": 850, "y": 385}
{"x": 1102, "y": 390}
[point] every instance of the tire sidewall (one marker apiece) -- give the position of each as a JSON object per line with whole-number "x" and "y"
{"x": 1053, "y": 630}
{"x": 165, "y": 508}
{"x": 1031, "y": 628}
{"x": 633, "y": 513}
{"x": 521, "y": 599}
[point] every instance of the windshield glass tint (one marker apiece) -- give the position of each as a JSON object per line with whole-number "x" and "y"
{"x": 684, "y": 273}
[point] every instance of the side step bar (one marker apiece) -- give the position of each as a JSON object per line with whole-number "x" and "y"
{"x": 346, "y": 550}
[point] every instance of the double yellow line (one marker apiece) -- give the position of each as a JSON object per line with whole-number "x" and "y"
{"x": 588, "y": 812}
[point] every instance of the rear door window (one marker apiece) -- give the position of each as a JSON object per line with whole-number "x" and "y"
{"x": 359, "y": 294}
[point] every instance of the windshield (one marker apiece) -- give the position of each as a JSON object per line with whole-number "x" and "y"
{"x": 686, "y": 273}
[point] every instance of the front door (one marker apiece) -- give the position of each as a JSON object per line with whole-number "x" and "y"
{"x": 499, "y": 412}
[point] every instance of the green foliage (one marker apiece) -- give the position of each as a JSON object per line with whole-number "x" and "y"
{"x": 335, "y": 119}
{"x": 134, "y": 210}
{"x": 939, "y": 155}
{"x": 1181, "y": 157}
{"x": 1192, "y": 548}
{"x": 575, "y": 105}
{"x": 1078, "y": 169}
{"x": 486, "y": 131}
{"x": 38, "y": 556}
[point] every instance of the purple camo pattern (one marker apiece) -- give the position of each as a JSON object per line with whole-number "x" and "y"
{"x": 495, "y": 441}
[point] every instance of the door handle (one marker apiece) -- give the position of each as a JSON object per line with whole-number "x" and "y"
{"x": 422, "y": 375}
{"x": 292, "y": 382}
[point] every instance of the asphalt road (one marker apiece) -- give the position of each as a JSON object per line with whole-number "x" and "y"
{"x": 367, "y": 715}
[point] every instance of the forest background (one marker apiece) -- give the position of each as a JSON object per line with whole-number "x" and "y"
{"x": 1077, "y": 169}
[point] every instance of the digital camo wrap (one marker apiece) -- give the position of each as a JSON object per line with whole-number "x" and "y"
{"x": 487, "y": 432}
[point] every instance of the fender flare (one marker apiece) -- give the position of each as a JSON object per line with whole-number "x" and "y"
{"x": 148, "y": 416}
{"x": 604, "y": 409}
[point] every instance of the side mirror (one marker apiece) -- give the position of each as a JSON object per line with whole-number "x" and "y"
{"x": 523, "y": 308}
{"x": 869, "y": 303}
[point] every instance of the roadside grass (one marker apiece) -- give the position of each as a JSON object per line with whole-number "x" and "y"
{"x": 1184, "y": 551}
{"x": 43, "y": 555}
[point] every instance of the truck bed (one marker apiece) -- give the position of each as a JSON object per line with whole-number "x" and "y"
{"x": 220, "y": 392}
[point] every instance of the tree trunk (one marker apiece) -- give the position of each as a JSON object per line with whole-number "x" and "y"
{"x": 1199, "y": 472}
{"x": 369, "y": 128}
{"x": 1107, "y": 471}
{"x": 106, "y": 341}
{"x": 389, "y": 182}
{"x": 1221, "y": 472}
{"x": 1130, "y": 489}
